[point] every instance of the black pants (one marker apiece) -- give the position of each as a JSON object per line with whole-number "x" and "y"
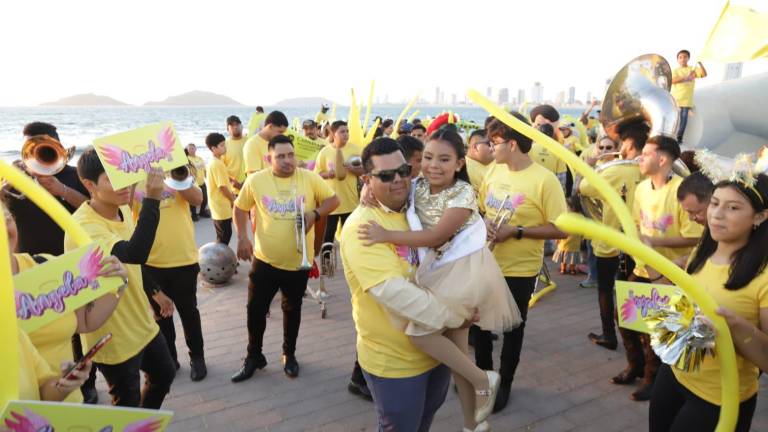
{"x": 180, "y": 285}
{"x": 606, "y": 281}
{"x": 203, "y": 205}
{"x": 223, "y": 230}
{"x": 521, "y": 289}
{"x": 264, "y": 282}
{"x": 674, "y": 408}
{"x": 77, "y": 354}
{"x": 332, "y": 225}
{"x": 124, "y": 380}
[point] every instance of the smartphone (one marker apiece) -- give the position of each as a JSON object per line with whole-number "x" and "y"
{"x": 79, "y": 365}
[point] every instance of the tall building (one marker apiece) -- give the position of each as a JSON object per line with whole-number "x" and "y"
{"x": 453, "y": 99}
{"x": 589, "y": 98}
{"x": 442, "y": 98}
{"x": 537, "y": 93}
{"x": 503, "y": 95}
{"x": 520, "y": 96}
{"x": 560, "y": 98}
{"x": 571, "y": 95}
{"x": 437, "y": 95}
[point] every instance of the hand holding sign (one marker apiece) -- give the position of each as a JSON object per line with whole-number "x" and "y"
{"x": 129, "y": 156}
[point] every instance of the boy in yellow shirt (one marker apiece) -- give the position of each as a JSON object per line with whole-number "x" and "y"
{"x": 534, "y": 198}
{"x": 278, "y": 196}
{"x": 199, "y": 164}
{"x": 137, "y": 344}
{"x": 220, "y": 195}
{"x": 683, "y": 83}
{"x": 255, "y": 149}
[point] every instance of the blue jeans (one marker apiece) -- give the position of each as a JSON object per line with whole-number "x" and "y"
{"x": 682, "y": 123}
{"x": 408, "y": 404}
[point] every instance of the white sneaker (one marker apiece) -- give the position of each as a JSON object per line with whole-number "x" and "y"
{"x": 482, "y": 427}
{"x": 482, "y": 412}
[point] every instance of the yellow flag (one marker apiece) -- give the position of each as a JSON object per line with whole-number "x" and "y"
{"x": 741, "y": 34}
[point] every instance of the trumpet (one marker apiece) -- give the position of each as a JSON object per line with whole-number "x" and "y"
{"x": 301, "y": 237}
{"x": 502, "y": 217}
{"x": 45, "y": 156}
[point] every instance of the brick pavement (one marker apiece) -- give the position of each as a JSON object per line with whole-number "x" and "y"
{"x": 561, "y": 385}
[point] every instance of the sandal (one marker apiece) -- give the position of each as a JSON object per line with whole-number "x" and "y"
{"x": 482, "y": 412}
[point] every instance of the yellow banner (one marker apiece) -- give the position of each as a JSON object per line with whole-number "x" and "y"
{"x": 61, "y": 285}
{"x": 306, "y": 149}
{"x": 128, "y": 156}
{"x": 741, "y": 34}
{"x": 58, "y": 416}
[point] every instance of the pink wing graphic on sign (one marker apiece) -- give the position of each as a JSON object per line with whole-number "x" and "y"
{"x": 146, "y": 425}
{"x": 124, "y": 161}
{"x": 27, "y": 422}
{"x": 90, "y": 266}
{"x": 628, "y": 310}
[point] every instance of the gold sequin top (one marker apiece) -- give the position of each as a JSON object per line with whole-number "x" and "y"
{"x": 430, "y": 207}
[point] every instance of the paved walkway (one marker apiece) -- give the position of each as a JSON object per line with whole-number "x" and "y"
{"x": 562, "y": 383}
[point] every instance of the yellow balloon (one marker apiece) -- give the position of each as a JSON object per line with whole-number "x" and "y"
{"x": 606, "y": 191}
{"x": 353, "y": 123}
{"x": 413, "y": 116}
{"x": 9, "y": 357}
{"x": 369, "y": 136}
{"x": 726, "y": 353}
{"x": 402, "y": 114}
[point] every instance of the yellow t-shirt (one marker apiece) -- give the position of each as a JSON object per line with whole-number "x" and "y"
{"x": 745, "y": 302}
{"x": 255, "y": 152}
{"x": 545, "y": 158}
{"x": 34, "y": 371}
{"x": 221, "y": 207}
{"x": 132, "y": 324}
{"x": 572, "y": 243}
{"x": 620, "y": 177}
{"x": 683, "y": 91}
{"x": 659, "y": 214}
{"x": 476, "y": 172}
{"x": 233, "y": 159}
{"x": 572, "y": 143}
{"x": 174, "y": 244}
{"x": 275, "y": 200}
{"x": 255, "y": 123}
{"x": 53, "y": 341}
{"x": 199, "y": 165}
{"x": 320, "y": 117}
{"x": 535, "y": 198}
{"x": 345, "y": 189}
{"x": 382, "y": 349}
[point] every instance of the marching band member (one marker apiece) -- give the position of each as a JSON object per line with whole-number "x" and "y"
{"x": 278, "y": 196}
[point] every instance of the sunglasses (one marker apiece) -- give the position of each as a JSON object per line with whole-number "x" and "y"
{"x": 605, "y": 147}
{"x": 388, "y": 176}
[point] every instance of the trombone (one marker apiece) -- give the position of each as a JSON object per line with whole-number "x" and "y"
{"x": 502, "y": 217}
{"x": 301, "y": 237}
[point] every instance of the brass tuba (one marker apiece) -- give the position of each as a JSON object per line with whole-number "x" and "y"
{"x": 45, "y": 156}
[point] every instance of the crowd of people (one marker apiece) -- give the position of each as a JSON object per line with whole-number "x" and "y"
{"x": 440, "y": 231}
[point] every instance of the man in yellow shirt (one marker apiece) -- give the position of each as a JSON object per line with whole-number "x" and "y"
{"x": 221, "y": 198}
{"x": 322, "y": 116}
{"x": 479, "y": 157}
{"x": 533, "y": 198}
{"x": 333, "y": 165}
{"x": 233, "y": 159}
{"x": 623, "y": 178}
{"x": 683, "y": 83}
{"x": 408, "y": 386}
{"x": 694, "y": 194}
{"x": 199, "y": 164}
{"x": 256, "y": 120}
{"x": 173, "y": 266}
{"x": 137, "y": 344}
{"x": 255, "y": 150}
{"x": 278, "y": 195}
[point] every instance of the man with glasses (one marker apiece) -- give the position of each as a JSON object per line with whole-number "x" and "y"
{"x": 277, "y": 195}
{"x": 532, "y": 197}
{"x": 479, "y": 157}
{"x": 407, "y": 385}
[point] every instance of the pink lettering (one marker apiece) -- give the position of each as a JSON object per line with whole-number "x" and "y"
{"x": 28, "y": 305}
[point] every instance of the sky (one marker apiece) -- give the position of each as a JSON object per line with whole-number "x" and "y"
{"x": 261, "y": 52}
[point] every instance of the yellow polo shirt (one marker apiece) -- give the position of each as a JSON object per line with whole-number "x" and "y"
{"x": 535, "y": 198}
{"x": 659, "y": 214}
{"x": 382, "y": 349}
{"x": 233, "y": 159}
{"x": 132, "y": 323}
{"x": 255, "y": 152}
{"x": 345, "y": 189}
{"x": 276, "y": 201}
{"x": 745, "y": 302}
{"x": 545, "y": 158}
{"x": 174, "y": 244}
{"x": 217, "y": 176}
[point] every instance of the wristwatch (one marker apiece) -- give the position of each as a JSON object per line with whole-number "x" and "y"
{"x": 519, "y": 232}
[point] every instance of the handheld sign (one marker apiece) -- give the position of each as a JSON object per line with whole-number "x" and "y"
{"x": 47, "y": 291}
{"x": 306, "y": 149}
{"x": 635, "y": 301}
{"x": 50, "y": 416}
{"x": 128, "y": 156}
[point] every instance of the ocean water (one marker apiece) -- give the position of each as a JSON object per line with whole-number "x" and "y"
{"x": 78, "y": 126}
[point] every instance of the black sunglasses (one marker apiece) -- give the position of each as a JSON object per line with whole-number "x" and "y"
{"x": 389, "y": 175}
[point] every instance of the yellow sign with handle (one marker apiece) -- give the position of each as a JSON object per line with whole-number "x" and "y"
{"x": 726, "y": 352}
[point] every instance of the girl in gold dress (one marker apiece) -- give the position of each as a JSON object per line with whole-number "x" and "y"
{"x": 456, "y": 267}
